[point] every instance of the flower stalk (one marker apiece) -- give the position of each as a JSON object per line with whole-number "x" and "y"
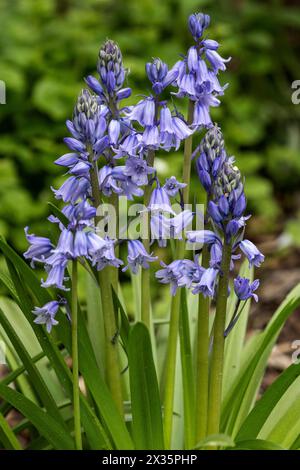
{"x": 202, "y": 358}
{"x": 145, "y": 281}
{"x": 175, "y": 304}
{"x": 217, "y": 359}
{"x": 113, "y": 374}
{"x": 75, "y": 366}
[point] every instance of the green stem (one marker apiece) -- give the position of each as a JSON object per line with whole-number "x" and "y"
{"x": 216, "y": 373}
{"x": 202, "y": 350}
{"x": 76, "y": 392}
{"x": 114, "y": 273}
{"x": 202, "y": 358}
{"x": 145, "y": 285}
{"x": 175, "y": 305}
{"x": 113, "y": 373}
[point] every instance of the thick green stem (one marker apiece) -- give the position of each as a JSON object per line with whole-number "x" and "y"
{"x": 145, "y": 285}
{"x": 76, "y": 391}
{"x": 202, "y": 359}
{"x": 216, "y": 373}
{"x": 113, "y": 373}
{"x": 175, "y": 305}
{"x": 114, "y": 273}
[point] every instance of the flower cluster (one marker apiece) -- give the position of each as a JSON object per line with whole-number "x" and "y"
{"x": 226, "y": 208}
{"x": 111, "y": 152}
{"x": 197, "y": 72}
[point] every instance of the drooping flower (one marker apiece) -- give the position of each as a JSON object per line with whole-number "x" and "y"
{"x": 206, "y": 285}
{"x": 244, "y": 289}
{"x": 40, "y": 248}
{"x": 172, "y": 186}
{"x": 46, "y": 315}
{"x": 255, "y": 257}
{"x": 138, "y": 170}
{"x": 138, "y": 256}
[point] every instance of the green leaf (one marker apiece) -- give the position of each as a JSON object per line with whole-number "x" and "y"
{"x": 7, "y": 435}
{"x": 258, "y": 416}
{"x": 235, "y": 341}
{"x": 257, "y": 444}
{"x": 188, "y": 381}
{"x": 216, "y": 440}
{"x": 241, "y": 397}
{"x": 87, "y": 361}
{"x": 59, "y": 214}
{"x": 122, "y": 322}
{"x": 45, "y": 424}
{"x": 145, "y": 399}
{"x": 282, "y": 425}
{"x": 36, "y": 378}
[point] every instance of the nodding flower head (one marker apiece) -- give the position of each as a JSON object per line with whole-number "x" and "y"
{"x": 198, "y": 22}
{"x": 110, "y": 66}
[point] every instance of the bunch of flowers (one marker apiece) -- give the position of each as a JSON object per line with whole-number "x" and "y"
{"x": 111, "y": 154}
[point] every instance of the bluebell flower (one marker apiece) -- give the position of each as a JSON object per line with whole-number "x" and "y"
{"x": 138, "y": 256}
{"x": 109, "y": 179}
{"x": 159, "y": 201}
{"x": 39, "y": 250}
{"x": 46, "y": 315}
{"x": 143, "y": 112}
{"x": 172, "y": 186}
{"x": 197, "y": 23}
{"x": 255, "y": 257}
{"x": 217, "y": 62}
{"x": 160, "y": 227}
{"x": 180, "y": 222}
{"x": 197, "y": 72}
{"x": 72, "y": 189}
{"x": 105, "y": 256}
{"x": 191, "y": 273}
{"x": 56, "y": 271}
{"x": 114, "y": 129}
{"x": 159, "y": 75}
{"x": 202, "y": 236}
{"x": 206, "y": 285}
{"x": 138, "y": 170}
{"x": 171, "y": 274}
{"x": 244, "y": 290}
{"x": 68, "y": 159}
{"x": 80, "y": 244}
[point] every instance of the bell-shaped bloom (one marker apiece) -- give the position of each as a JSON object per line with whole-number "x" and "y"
{"x": 138, "y": 256}
{"x": 46, "y": 315}
{"x": 160, "y": 202}
{"x": 138, "y": 170}
{"x": 206, "y": 285}
{"x": 255, "y": 257}
{"x": 244, "y": 289}
{"x": 171, "y": 274}
{"x": 172, "y": 186}
{"x": 39, "y": 250}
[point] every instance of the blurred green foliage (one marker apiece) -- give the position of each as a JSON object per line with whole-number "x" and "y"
{"x": 48, "y": 46}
